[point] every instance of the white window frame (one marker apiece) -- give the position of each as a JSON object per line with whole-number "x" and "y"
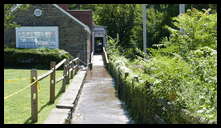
{"x": 38, "y": 29}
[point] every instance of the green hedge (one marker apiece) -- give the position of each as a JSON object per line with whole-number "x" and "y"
{"x": 150, "y": 100}
{"x": 33, "y": 58}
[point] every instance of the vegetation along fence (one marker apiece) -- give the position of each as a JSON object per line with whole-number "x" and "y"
{"x": 142, "y": 104}
{"x": 106, "y": 61}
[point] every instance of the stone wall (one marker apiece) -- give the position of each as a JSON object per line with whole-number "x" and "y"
{"x": 72, "y": 36}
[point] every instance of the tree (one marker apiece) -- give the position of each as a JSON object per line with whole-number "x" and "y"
{"x": 119, "y": 19}
{"x": 82, "y": 6}
{"x": 159, "y": 16}
{"x": 9, "y": 15}
{"x": 126, "y": 20}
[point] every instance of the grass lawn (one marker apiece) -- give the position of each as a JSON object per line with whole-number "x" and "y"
{"x": 17, "y": 109}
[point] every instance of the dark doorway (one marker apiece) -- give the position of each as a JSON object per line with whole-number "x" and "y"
{"x": 98, "y": 45}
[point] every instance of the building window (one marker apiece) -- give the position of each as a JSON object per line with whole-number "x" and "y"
{"x": 37, "y": 12}
{"x": 37, "y": 37}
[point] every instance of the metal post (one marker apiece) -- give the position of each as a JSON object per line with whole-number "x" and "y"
{"x": 181, "y": 10}
{"x": 144, "y": 28}
{"x": 34, "y": 97}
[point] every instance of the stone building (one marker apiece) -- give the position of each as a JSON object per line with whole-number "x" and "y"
{"x": 53, "y": 26}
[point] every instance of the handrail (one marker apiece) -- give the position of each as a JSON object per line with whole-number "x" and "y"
{"x": 68, "y": 74}
{"x": 44, "y": 75}
{"x": 50, "y": 71}
{"x": 105, "y": 55}
{"x": 92, "y": 54}
{"x": 60, "y": 63}
{"x": 69, "y": 67}
{"x": 59, "y": 79}
{"x": 82, "y": 62}
{"x": 73, "y": 60}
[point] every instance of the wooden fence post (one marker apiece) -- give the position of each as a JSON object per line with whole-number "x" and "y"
{"x": 74, "y": 71}
{"x": 65, "y": 77}
{"x": 52, "y": 82}
{"x": 135, "y": 78}
{"x": 118, "y": 81}
{"x": 68, "y": 73}
{"x": 78, "y": 64}
{"x": 124, "y": 86}
{"x": 72, "y": 65}
{"x": 34, "y": 96}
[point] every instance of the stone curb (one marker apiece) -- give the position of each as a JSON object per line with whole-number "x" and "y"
{"x": 62, "y": 113}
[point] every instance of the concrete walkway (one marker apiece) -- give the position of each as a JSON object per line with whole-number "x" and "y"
{"x": 60, "y": 114}
{"x": 98, "y": 102}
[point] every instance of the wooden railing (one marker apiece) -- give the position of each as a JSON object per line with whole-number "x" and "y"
{"x": 70, "y": 68}
{"x": 105, "y": 56}
{"x": 91, "y": 59}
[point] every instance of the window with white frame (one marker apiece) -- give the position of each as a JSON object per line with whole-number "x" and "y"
{"x": 37, "y": 37}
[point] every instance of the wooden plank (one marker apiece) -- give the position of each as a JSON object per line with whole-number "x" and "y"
{"x": 91, "y": 59}
{"x": 60, "y": 63}
{"x": 34, "y": 97}
{"x": 45, "y": 75}
{"x": 105, "y": 56}
{"x": 73, "y": 60}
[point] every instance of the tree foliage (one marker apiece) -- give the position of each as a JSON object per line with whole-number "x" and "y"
{"x": 200, "y": 29}
{"x": 9, "y": 16}
{"x": 119, "y": 19}
{"x": 127, "y": 21}
{"x": 159, "y": 16}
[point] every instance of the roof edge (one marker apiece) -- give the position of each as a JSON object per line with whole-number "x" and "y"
{"x": 72, "y": 17}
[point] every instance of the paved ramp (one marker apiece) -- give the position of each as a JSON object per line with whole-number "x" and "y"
{"x": 98, "y": 102}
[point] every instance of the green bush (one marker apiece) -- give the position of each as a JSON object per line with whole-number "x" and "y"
{"x": 167, "y": 87}
{"x": 199, "y": 30}
{"x": 204, "y": 83}
{"x": 33, "y": 58}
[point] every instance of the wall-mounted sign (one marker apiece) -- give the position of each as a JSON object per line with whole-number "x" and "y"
{"x": 37, "y": 12}
{"x": 37, "y": 37}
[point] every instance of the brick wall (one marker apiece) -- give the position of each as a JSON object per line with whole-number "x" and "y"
{"x": 72, "y": 36}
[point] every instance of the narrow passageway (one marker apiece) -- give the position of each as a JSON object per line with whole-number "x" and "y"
{"x": 98, "y": 102}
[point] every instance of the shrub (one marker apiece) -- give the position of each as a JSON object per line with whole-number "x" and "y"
{"x": 204, "y": 83}
{"x": 33, "y": 58}
{"x": 199, "y": 30}
{"x": 169, "y": 90}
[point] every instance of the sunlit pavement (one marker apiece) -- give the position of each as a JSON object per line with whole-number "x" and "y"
{"x": 98, "y": 102}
